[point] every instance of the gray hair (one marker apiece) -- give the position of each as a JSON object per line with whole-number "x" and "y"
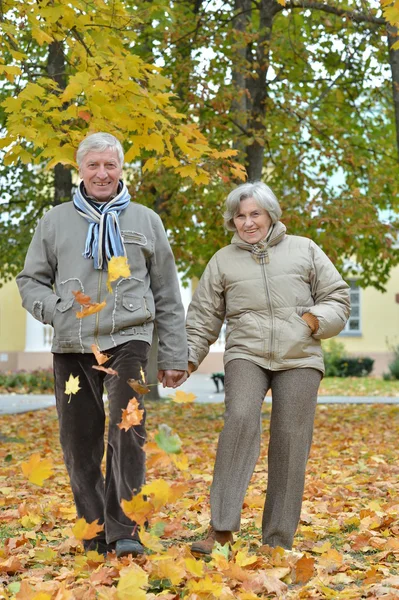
{"x": 99, "y": 142}
{"x": 257, "y": 190}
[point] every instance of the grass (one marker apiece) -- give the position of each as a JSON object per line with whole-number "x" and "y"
{"x": 358, "y": 386}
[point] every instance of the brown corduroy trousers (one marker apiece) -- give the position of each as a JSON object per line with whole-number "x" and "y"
{"x": 82, "y": 427}
{"x": 294, "y": 398}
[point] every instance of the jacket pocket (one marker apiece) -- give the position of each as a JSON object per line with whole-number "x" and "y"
{"x": 133, "y": 311}
{"x": 246, "y": 335}
{"x": 65, "y": 322}
{"x": 294, "y": 338}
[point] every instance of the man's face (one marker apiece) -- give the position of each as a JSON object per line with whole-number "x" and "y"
{"x": 101, "y": 173}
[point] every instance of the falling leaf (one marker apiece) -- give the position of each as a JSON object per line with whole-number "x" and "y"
{"x": 167, "y": 441}
{"x": 89, "y": 307}
{"x": 90, "y": 310}
{"x": 137, "y": 509}
{"x": 37, "y": 470}
{"x": 132, "y": 415}
{"x": 100, "y": 357}
{"x": 117, "y": 267}
{"x": 86, "y": 531}
{"x": 107, "y": 370}
{"x": 151, "y": 542}
{"x": 138, "y": 386}
{"x": 181, "y": 397}
{"x": 72, "y": 386}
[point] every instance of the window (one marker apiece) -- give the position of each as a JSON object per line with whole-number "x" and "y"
{"x": 353, "y": 324}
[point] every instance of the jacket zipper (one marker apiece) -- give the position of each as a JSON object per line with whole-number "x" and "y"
{"x": 265, "y": 280}
{"x": 100, "y": 280}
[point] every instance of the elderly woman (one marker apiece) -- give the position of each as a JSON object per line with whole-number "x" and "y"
{"x": 280, "y": 295}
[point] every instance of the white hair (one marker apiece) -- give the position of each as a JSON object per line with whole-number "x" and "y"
{"x": 257, "y": 190}
{"x": 99, "y": 142}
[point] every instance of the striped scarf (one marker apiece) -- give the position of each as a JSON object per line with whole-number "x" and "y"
{"x": 104, "y": 239}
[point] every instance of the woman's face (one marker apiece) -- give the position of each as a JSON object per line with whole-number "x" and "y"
{"x": 252, "y": 222}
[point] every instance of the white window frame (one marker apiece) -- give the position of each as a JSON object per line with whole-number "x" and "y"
{"x": 354, "y": 289}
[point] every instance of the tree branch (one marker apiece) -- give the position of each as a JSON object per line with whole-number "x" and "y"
{"x": 353, "y": 15}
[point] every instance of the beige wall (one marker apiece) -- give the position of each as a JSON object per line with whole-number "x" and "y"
{"x": 379, "y": 319}
{"x": 12, "y": 319}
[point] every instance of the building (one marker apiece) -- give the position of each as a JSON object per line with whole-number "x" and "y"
{"x": 372, "y": 329}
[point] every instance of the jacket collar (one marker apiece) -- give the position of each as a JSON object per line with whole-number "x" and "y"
{"x": 276, "y": 236}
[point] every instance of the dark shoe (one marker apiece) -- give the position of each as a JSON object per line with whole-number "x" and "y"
{"x": 129, "y": 546}
{"x": 206, "y": 546}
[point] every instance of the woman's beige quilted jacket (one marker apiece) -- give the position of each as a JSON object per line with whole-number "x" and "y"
{"x": 263, "y": 303}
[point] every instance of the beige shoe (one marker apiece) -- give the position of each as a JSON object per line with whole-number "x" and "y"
{"x": 206, "y": 546}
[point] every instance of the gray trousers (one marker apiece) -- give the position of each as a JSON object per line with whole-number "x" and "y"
{"x": 82, "y": 433}
{"x": 294, "y": 398}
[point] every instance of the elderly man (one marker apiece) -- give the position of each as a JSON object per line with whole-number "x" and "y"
{"x": 69, "y": 252}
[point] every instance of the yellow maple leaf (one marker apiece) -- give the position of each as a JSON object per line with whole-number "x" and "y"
{"x": 137, "y": 509}
{"x": 169, "y": 569}
{"x": 180, "y": 461}
{"x": 36, "y": 469}
{"x": 181, "y": 397}
{"x": 151, "y": 542}
{"x": 117, "y": 267}
{"x": 86, "y": 531}
{"x": 208, "y": 585}
{"x": 72, "y": 386}
{"x": 132, "y": 580}
{"x": 194, "y": 566}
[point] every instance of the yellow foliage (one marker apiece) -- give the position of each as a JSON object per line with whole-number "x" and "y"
{"x": 86, "y": 531}
{"x": 72, "y": 386}
{"x": 132, "y": 580}
{"x": 181, "y": 397}
{"x": 117, "y": 267}
{"x": 37, "y": 470}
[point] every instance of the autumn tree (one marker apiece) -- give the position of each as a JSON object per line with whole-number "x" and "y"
{"x": 307, "y": 92}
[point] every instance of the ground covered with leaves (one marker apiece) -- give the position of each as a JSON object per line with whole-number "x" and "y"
{"x": 347, "y": 545}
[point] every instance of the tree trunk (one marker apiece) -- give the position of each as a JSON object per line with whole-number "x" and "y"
{"x": 242, "y": 9}
{"x": 56, "y": 70}
{"x": 393, "y": 36}
{"x": 257, "y": 89}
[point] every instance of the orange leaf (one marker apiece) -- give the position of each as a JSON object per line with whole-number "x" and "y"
{"x": 304, "y": 569}
{"x": 131, "y": 415}
{"x": 86, "y": 531}
{"x": 106, "y": 370}
{"x": 11, "y": 565}
{"x": 138, "y": 386}
{"x": 100, "y": 357}
{"x": 137, "y": 509}
{"x": 91, "y": 309}
{"x": 81, "y": 298}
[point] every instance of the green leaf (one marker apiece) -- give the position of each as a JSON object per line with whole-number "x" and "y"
{"x": 168, "y": 442}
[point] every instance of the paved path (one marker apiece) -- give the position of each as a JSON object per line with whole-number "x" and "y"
{"x": 199, "y": 384}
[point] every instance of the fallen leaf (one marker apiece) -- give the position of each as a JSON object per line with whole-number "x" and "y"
{"x": 132, "y": 415}
{"x": 132, "y": 580}
{"x": 37, "y": 470}
{"x": 304, "y": 570}
{"x": 117, "y": 267}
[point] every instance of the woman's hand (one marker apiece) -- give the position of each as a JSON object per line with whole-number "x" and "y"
{"x": 312, "y": 321}
{"x": 172, "y": 378}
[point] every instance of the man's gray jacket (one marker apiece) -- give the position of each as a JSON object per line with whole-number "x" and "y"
{"x": 54, "y": 268}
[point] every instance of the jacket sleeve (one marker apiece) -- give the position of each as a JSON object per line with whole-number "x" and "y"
{"x": 206, "y": 313}
{"x": 169, "y": 310}
{"x": 330, "y": 294}
{"x": 35, "y": 281}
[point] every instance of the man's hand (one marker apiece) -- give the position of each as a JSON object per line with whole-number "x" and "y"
{"x": 171, "y": 378}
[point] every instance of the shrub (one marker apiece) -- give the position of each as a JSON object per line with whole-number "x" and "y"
{"x": 354, "y": 367}
{"x": 394, "y": 366}
{"x": 40, "y": 381}
{"x": 339, "y": 365}
{"x": 333, "y": 351}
